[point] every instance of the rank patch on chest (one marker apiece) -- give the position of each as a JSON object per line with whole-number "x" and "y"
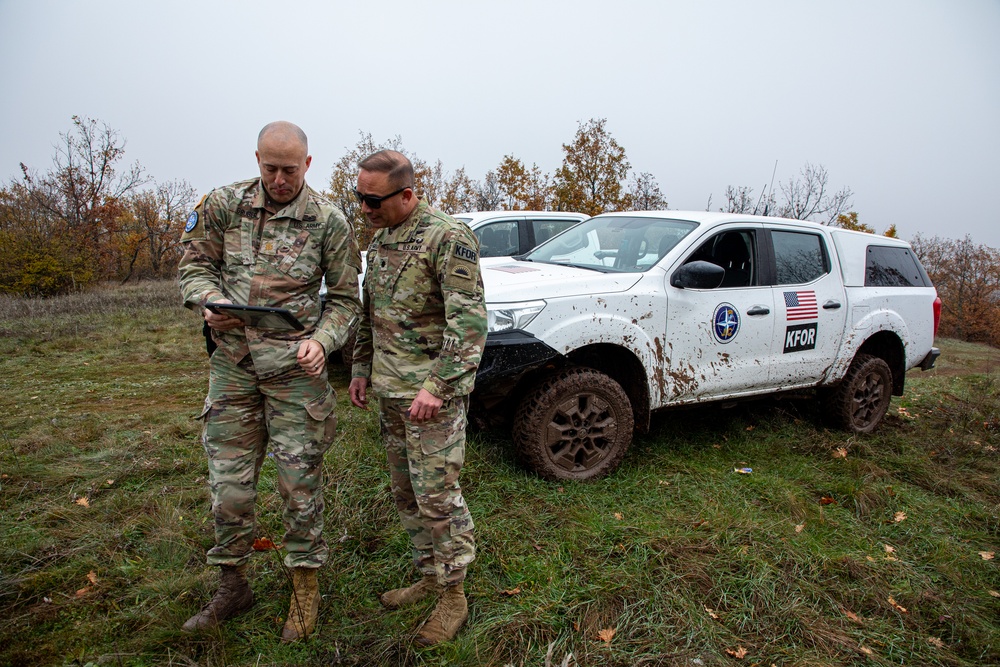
{"x": 462, "y": 252}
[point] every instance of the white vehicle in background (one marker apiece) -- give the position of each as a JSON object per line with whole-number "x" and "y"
{"x": 500, "y": 234}
{"x": 628, "y": 313}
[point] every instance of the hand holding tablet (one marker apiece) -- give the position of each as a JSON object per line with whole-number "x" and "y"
{"x": 261, "y": 317}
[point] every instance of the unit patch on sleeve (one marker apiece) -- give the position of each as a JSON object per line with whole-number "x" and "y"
{"x": 800, "y": 337}
{"x": 194, "y": 228}
{"x": 462, "y": 252}
{"x": 461, "y": 275}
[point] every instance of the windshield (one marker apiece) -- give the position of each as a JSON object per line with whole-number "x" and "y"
{"x": 614, "y": 243}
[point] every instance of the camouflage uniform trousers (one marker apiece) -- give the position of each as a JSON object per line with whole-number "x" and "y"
{"x": 295, "y": 412}
{"x": 424, "y": 463}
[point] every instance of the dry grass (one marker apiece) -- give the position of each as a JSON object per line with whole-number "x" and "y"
{"x": 677, "y": 557}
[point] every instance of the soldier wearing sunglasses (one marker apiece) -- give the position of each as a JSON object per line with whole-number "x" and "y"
{"x": 422, "y": 332}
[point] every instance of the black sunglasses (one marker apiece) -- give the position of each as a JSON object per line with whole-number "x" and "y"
{"x": 376, "y": 202}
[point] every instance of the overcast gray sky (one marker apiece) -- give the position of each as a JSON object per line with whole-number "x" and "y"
{"x": 898, "y": 99}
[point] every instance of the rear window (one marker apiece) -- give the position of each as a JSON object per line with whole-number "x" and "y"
{"x": 893, "y": 266}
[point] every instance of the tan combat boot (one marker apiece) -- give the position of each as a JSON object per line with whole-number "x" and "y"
{"x": 401, "y": 597}
{"x": 233, "y": 598}
{"x": 448, "y": 616}
{"x": 304, "y": 607}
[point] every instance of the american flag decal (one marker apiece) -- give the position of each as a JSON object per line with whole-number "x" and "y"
{"x": 801, "y": 305}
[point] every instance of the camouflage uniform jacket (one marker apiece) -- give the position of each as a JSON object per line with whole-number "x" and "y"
{"x": 229, "y": 253}
{"x": 423, "y": 322}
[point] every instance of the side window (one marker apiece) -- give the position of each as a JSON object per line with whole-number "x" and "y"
{"x": 893, "y": 267}
{"x": 735, "y": 252}
{"x": 799, "y": 257}
{"x": 546, "y": 229}
{"x": 498, "y": 239}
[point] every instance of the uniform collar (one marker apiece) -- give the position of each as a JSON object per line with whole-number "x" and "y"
{"x": 295, "y": 209}
{"x": 404, "y": 231}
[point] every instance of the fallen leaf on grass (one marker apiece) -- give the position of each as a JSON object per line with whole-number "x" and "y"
{"x": 900, "y": 608}
{"x": 889, "y": 549}
{"x": 83, "y": 591}
{"x": 852, "y": 616}
{"x": 699, "y": 523}
{"x": 866, "y": 650}
{"x": 986, "y": 555}
{"x": 263, "y": 544}
{"x": 92, "y": 577}
{"x": 899, "y": 516}
{"x": 995, "y": 594}
{"x": 934, "y": 641}
{"x": 619, "y": 516}
{"x": 110, "y": 482}
{"x": 800, "y": 527}
{"x": 513, "y": 591}
{"x": 840, "y": 453}
{"x": 739, "y": 653}
{"x": 827, "y": 500}
{"x": 750, "y": 428}
{"x": 82, "y": 502}
{"x": 711, "y": 612}
{"x": 606, "y": 635}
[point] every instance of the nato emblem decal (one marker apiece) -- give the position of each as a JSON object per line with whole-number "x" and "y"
{"x": 192, "y": 221}
{"x": 726, "y": 323}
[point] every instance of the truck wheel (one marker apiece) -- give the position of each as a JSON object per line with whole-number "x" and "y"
{"x": 861, "y": 400}
{"x": 576, "y": 425}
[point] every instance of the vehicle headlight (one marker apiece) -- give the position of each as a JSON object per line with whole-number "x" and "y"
{"x": 512, "y": 316}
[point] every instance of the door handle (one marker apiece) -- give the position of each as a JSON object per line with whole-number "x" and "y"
{"x": 831, "y": 305}
{"x": 759, "y": 310}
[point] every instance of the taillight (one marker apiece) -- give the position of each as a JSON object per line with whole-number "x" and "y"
{"x": 937, "y": 314}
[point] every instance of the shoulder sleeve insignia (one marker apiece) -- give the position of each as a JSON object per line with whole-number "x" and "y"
{"x": 194, "y": 228}
{"x": 464, "y": 252}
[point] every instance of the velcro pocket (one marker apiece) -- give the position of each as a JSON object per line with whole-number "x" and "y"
{"x": 321, "y": 408}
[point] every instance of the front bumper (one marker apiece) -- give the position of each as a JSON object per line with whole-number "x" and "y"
{"x": 509, "y": 355}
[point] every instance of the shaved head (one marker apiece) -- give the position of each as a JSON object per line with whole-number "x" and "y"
{"x": 284, "y": 132}
{"x": 283, "y": 158}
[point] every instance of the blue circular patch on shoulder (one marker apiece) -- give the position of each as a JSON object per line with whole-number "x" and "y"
{"x": 726, "y": 322}
{"x": 192, "y": 221}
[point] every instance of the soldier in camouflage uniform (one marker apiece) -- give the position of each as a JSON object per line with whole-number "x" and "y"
{"x": 422, "y": 332}
{"x": 268, "y": 242}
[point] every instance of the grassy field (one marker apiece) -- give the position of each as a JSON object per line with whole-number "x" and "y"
{"x": 835, "y": 550}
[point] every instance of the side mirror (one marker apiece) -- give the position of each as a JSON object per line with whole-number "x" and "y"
{"x": 698, "y": 275}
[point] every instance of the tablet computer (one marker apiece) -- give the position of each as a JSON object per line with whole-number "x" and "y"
{"x": 261, "y": 317}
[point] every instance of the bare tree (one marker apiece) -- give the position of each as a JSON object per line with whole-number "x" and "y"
{"x": 808, "y": 197}
{"x": 84, "y": 189}
{"x": 459, "y": 193}
{"x": 644, "y": 193}
{"x": 488, "y": 195}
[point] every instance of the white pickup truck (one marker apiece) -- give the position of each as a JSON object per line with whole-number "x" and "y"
{"x": 628, "y": 313}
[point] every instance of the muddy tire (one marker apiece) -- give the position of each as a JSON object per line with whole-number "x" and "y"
{"x": 576, "y": 425}
{"x": 860, "y": 402}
